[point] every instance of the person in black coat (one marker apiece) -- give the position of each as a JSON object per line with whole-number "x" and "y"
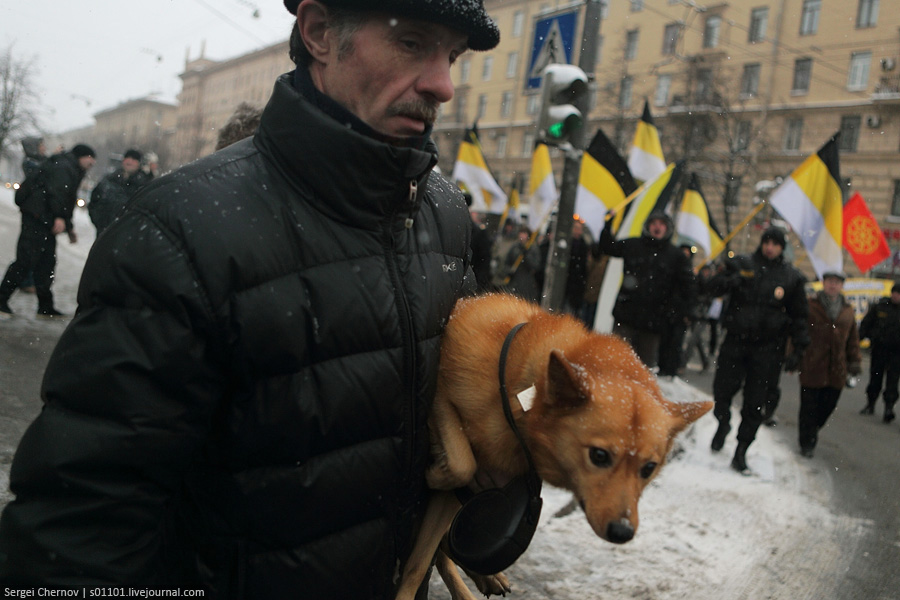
{"x": 881, "y": 326}
{"x": 481, "y": 250}
{"x": 112, "y": 193}
{"x": 657, "y": 285}
{"x": 46, "y": 204}
{"x": 35, "y": 154}
{"x": 240, "y": 403}
{"x": 766, "y": 306}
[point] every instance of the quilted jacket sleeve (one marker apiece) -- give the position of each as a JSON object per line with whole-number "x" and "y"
{"x": 128, "y": 396}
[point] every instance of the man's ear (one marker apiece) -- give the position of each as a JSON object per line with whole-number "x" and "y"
{"x": 312, "y": 21}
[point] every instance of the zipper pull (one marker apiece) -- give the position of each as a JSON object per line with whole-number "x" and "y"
{"x": 413, "y": 193}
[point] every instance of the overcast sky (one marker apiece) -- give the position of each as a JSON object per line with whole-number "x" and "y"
{"x": 90, "y": 55}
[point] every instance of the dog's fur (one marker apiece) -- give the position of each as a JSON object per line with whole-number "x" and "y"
{"x": 599, "y": 426}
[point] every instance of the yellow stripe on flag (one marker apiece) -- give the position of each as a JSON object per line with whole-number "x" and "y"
{"x": 643, "y": 205}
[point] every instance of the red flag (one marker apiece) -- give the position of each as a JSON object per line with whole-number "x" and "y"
{"x": 863, "y": 238}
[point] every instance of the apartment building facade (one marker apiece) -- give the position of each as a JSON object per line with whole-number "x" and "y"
{"x": 143, "y": 123}
{"x": 743, "y": 91}
{"x": 212, "y": 90}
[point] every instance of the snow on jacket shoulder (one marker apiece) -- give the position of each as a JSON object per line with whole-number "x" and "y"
{"x": 241, "y": 400}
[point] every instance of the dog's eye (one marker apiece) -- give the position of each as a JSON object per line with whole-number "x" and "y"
{"x": 600, "y": 457}
{"x": 647, "y": 470}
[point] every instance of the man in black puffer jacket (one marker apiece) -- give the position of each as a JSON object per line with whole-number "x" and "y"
{"x": 240, "y": 402}
{"x": 657, "y": 285}
{"x": 766, "y": 305}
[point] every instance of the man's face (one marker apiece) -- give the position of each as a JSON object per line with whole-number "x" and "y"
{"x": 657, "y": 228}
{"x": 895, "y": 297}
{"x": 130, "y": 165}
{"x": 771, "y": 250}
{"x": 395, "y": 75}
{"x": 832, "y": 286}
{"x": 86, "y": 162}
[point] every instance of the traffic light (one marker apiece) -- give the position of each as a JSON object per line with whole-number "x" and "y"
{"x": 563, "y": 87}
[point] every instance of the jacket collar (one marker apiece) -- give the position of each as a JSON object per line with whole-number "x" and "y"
{"x": 353, "y": 178}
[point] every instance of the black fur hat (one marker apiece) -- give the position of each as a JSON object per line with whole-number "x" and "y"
{"x": 775, "y": 234}
{"x": 81, "y": 150}
{"x": 467, "y": 16}
{"x": 132, "y": 153}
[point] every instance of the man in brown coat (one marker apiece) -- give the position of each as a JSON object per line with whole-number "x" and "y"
{"x": 832, "y": 353}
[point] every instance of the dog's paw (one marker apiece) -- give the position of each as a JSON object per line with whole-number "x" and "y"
{"x": 496, "y": 584}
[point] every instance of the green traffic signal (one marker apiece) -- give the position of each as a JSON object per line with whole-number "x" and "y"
{"x": 556, "y": 130}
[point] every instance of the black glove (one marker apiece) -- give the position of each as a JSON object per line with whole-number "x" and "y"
{"x": 792, "y": 362}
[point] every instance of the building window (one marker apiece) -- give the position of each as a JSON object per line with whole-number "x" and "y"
{"x": 637, "y": 5}
{"x": 711, "y": 31}
{"x": 809, "y": 17}
{"x": 598, "y": 57}
{"x": 512, "y": 63}
{"x": 661, "y": 96}
{"x": 631, "y": 43}
{"x": 846, "y": 185}
{"x": 482, "y": 106}
{"x": 506, "y": 104}
{"x": 487, "y": 68}
{"x": 759, "y": 19}
{"x": 465, "y": 67}
{"x": 895, "y": 200}
{"x": 604, "y": 9}
{"x": 742, "y": 137}
{"x": 849, "y": 133}
{"x": 461, "y": 108}
{"x": 527, "y": 144}
{"x": 703, "y": 85}
{"x": 501, "y": 145}
{"x": 793, "y": 131}
{"x": 802, "y": 74}
{"x": 670, "y": 38}
{"x": 867, "y": 13}
{"x": 625, "y": 92}
{"x": 518, "y": 23}
{"x": 750, "y": 80}
{"x": 531, "y": 105}
{"x": 858, "y": 77}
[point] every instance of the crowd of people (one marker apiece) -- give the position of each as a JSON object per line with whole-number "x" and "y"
{"x": 47, "y": 197}
{"x": 240, "y": 402}
{"x": 668, "y": 310}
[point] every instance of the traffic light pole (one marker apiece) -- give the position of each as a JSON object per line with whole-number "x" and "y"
{"x": 559, "y": 253}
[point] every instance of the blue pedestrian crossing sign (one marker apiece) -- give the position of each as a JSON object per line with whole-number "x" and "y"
{"x": 554, "y": 38}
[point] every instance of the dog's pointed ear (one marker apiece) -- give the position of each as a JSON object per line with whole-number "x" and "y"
{"x": 564, "y": 382}
{"x": 686, "y": 413}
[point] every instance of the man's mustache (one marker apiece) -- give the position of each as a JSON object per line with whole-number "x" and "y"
{"x": 421, "y": 110}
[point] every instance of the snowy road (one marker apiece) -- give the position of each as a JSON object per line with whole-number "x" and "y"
{"x": 706, "y": 532}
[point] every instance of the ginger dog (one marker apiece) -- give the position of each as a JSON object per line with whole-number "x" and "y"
{"x": 598, "y": 427}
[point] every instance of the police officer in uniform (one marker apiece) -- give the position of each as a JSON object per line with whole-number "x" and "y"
{"x": 766, "y": 306}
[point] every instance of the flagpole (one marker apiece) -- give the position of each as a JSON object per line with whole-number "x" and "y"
{"x": 610, "y": 214}
{"x": 733, "y": 233}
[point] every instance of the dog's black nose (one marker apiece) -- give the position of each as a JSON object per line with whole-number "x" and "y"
{"x": 619, "y": 532}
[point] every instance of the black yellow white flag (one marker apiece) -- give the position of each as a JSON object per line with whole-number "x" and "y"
{"x": 645, "y": 160}
{"x": 604, "y": 183}
{"x": 472, "y": 173}
{"x": 542, "y": 194}
{"x": 810, "y": 200}
{"x": 695, "y": 221}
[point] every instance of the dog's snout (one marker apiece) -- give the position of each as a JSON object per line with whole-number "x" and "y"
{"x": 619, "y": 532}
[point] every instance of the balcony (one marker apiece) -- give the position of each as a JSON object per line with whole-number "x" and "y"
{"x": 887, "y": 90}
